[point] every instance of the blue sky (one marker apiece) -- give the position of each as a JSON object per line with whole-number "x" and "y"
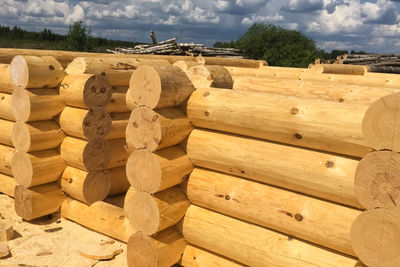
{"x": 372, "y": 26}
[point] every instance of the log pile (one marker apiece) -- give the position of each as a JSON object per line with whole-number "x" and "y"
{"x": 386, "y": 63}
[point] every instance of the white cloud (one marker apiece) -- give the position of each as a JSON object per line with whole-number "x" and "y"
{"x": 76, "y": 15}
{"x": 266, "y": 19}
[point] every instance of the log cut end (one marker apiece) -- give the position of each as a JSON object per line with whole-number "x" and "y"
{"x": 130, "y": 103}
{"x": 144, "y": 129}
{"x": 97, "y": 91}
{"x": 376, "y": 182}
{"x": 185, "y": 65}
{"x": 381, "y": 123}
{"x": 23, "y": 201}
{"x": 19, "y": 71}
{"x": 21, "y": 137}
{"x": 77, "y": 66}
{"x": 144, "y": 171}
{"x": 96, "y": 154}
{"x": 21, "y": 104}
{"x": 97, "y": 123}
{"x": 142, "y": 211}
{"x": 145, "y": 86}
{"x": 210, "y": 76}
{"x": 141, "y": 251}
{"x": 375, "y": 236}
{"x": 22, "y": 169}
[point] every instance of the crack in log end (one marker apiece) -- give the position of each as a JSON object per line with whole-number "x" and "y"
{"x": 219, "y": 195}
{"x": 227, "y": 197}
{"x": 298, "y": 217}
{"x": 392, "y": 199}
{"x": 294, "y": 111}
{"x": 286, "y": 213}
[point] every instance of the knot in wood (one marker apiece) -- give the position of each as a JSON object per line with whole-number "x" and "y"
{"x": 51, "y": 67}
{"x": 206, "y": 113}
{"x": 294, "y": 111}
{"x": 206, "y": 94}
{"x": 341, "y": 100}
{"x": 298, "y": 217}
{"x": 329, "y": 164}
{"x": 227, "y": 197}
{"x": 298, "y": 136}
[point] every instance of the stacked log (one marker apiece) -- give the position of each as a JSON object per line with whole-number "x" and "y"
{"x": 154, "y": 202}
{"x": 36, "y": 164}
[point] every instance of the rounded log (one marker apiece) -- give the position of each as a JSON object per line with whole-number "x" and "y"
{"x": 340, "y": 69}
{"x": 6, "y": 85}
{"x": 38, "y": 201}
{"x": 130, "y": 103}
{"x": 380, "y": 123}
{"x": 86, "y": 187}
{"x": 36, "y": 136}
{"x": 233, "y": 62}
{"x": 312, "y": 123}
{"x": 246, "y": 243}
{"x": 37, "y": 168}
{"x": 86, "y": 124}
{"x": 195, "y": 256}
{"x": 6, "y": 132}
{"x": 36, "y": 72}
{"x": 6, "y": 111}
{"x": 118, "y": 154}
{"x": 154, "y": 172}
{"x": 375, "y": 236}
{"x": 7, "y": 154}
{"x": 163, "y": 250}
{"x": 117, "y": 103}
{"x": 119, "y": 122}
{"x": 36, "y": 104}
{"x": 318, "y": 174}
{"x": 154, "y": 130}
{"x": 85, "y": 91}
{"x": 118, "y": 180}
{"x": 159, "y": 86}
{"x": 153, "y": 213}
{"x": 204, "y": 76}
{"x": 376, "y": 182}
{"x": 7, "y": 184}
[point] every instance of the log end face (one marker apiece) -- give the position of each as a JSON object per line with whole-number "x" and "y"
{"x": 145, "y": 86}
{"x": 97, "y": 123}
{"x": 21, "y": 137}
{"x": 21, "y": 104}
{"x": 141, "y": 251}
{"x": 96, "y": 187}
{"x": 77, "y": 66}
{"x": 19, "y": 71}
{"x": 200, "y": 76}
{"x": 96, "y": 154}
{"x": 21, "y": 168}
{"x": 23, "y": 202}
{"x": 97, "y": 91}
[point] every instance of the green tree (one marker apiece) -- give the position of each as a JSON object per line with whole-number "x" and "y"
{"x": 278, "y": 46}
{"x": 78, "y": 38}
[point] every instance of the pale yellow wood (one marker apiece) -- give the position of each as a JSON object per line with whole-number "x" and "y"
{"x": 36, "y": 104}
{"x": 203, "y": 76}
{"x": 6, "y": 132}
{"x": 6, "y": 85}
{"x": 235, "y": 62}
{"x": 6, "y": 111}
{"x": 322, "y": 175}
{"x": 36, "y": 72}
{"x": 7, "y": 154}
{"x": 340, "y": 69}
{"x": 100, "y": 216}
{"x": 153, "y": 213}
{"x": 198, "y": 257}
{"x": 119, "y": 122}
{"x": 117, "y": 103}
{"x": 129, "y": 101}
{"x": 318, "y": 124}
{"x": 36, "y": 136}
{"x": 253, "y": 245}
{"x": 185, "y": 65}
{"x": 7, "y": 184}
{"x": 162, "y": 250}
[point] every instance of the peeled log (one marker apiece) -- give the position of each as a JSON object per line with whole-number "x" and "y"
{"x": 381, "y": 123}
{"x": 6, "y": 111}
{"x": 86, "y": 124}
{"x": 36, "y": 72}
{"x": 85, "y": 91}
{"x": 37, "y": 168}
{"x": 185, "y": 65}
{"x": 100, "y": 216}
{"x": 118, "y": 180}
{"x": 159, "y": 86}
{"x": 314, "y": 220}
{"x": 234, "y": 62}
{"x": 117, "y": 103}
{"x": 323, "y": 125}
{"x": 86, "y": 187}
{"x": 7, "y": 185}
{"x": 153, "y": 213}
{"x": 6, "y": 85}
{"x": 198, "y": 257}
{"x": 5, "y": 133}
{"x": 36, "y": 136}
{"x": 162, "y": 250}
{"x": 119, "y": 122}
{"x": 36, "y": 104}
{"x": 375, "y": 236}
{"x": 37, "y": 201}
{"x": 154, "y": 172}
{"x": 154, "y": 130}
{"x": 7, "y": 154}
{"x": 253, "y": 245}
{"x": 210, "y": 76}
{"x": 340, "y": 69}
{"x": 117, "y": 70}
{"x": 376, "y": 182}
{"x": 322, "y": 175}
{"x": 129, "y": 101}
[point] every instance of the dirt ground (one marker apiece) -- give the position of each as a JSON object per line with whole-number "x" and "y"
{"x": 55, "y": 241}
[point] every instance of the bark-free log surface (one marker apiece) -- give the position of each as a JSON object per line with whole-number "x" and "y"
{"x": 130, "y": 102}
{"x": 86, "y": 124}
{"x": 6, "y": 85}
{"x": 324, "y": 125}
{"x": 6, "y": 156}
{"x": 38, "y": 167}
{"x": 375, "y": 237}
{"x": 197, "y": 257}
{"x": 154, "y": 172}
{"x": 253, "y": 245}
{"x": 36, "y": 104}
{"x": 117, "y": 103}
{"x": 7, "y": 185}
{"x": 162, "y": 250}
{"x": 119, "y": 153}
{"x": 376, "y": 182}
{"x": 210, "y": 76}
{"x": 36, "y": 72}
{"x": 153, "y": 130}
{"x": 38, "y": 201}
{"x": 85, "y": 90}
{"x": 153, "y": 213}
{"x": 118, "y": 125}
{"x": 117, "y": 70}
{"x": 317, "y": 221}
{"x": 381, "y": 123}
{"x": 185, "y": 65}
{"x": 86, "y": 187}
{"x": 118, "y": 180}
{"x": 6, "y": 132}
{"x": 159, "y": 86}
{"x": 100, "y": 216}
{"x": 36, "y": 136}
{"x": 234, "y": 62}
{"x": 340, "y": 69}
{"x": 313, "y": 173}
{"x": 6, "y": 111}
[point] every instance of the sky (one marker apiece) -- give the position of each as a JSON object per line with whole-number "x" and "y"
{"x": 372, "y": 26}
